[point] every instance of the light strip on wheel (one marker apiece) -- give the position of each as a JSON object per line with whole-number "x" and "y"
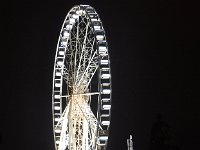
{"x": 105, "y": 123}
{"x": 61, "y": 52}
{"x": 105, "y": 99}
{"x": 102, "y": 49}
{"x": 103, "y": 138}
{"x": 105, "y": 76}
{"x": 57, "y": 119}
{"x": 58, "y": 73}
{"x": 72, "y": 20}
{"x": 57, "y": 130}
{"x": 57, "y": 96}
{"x": 69, "y": 26}
{"x": 105, "y": 84}
{"x": 104, "y": 62}
{"x": 97, "y": 27}
{"x": 60, "y": 63}
{"x": 57, "y": 108}
{"x": 57, "y": 84}
{"x": 93, "y": 19}
{"x": 75, "y": 16}
{"x": 80, "y": 12}
{"x": 106, "y": 91}
{"x": 99, "y": 37}
{"x": 64, "y": 43}
{"x": 106, "y": 107}
{"x": 105, "y": 69}
{"x": 104, "y": 115}
{"x": 66, "y": 34}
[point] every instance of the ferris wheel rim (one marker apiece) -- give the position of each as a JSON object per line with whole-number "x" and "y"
{"x": 102, "y": 62}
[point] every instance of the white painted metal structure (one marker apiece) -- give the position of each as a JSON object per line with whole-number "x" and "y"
{"x": 130, "y": 143}
{"x": 81, "y": 96}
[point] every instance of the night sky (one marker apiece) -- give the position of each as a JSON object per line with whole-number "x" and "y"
{"x": 154, "y": 61}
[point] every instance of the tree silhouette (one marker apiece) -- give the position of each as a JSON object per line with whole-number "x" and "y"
{"x": 160, "y": 135}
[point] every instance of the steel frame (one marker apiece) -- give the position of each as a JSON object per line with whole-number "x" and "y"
{"x": 81, "y": 60}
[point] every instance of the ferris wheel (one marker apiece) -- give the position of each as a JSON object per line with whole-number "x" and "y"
{"x": 81, "y": 98}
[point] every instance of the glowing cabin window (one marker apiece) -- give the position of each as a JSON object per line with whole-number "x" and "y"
{"x": 66, "y": 34}
{"x": 106, "y": 91}
{"x": 57, "y": 96}
{"x": 103, "y": 138}
{"x": 97, "y": 27}
{"x": 106, "y": 107}
{"x": 105, "y": 123}
{"x": 61, "y": 53}
{"x": 60, "y": 63}
{"x": 57, "y": 108}
{"x": 105, "y": 76}
{"x": 69, "y": 26}
{"x": 72, "y": 20}
{"x": 104, "y": 62}
{"x": 75, "y": 16}
{"x": 57, "y": 84}
{"x": 99, "y": 37}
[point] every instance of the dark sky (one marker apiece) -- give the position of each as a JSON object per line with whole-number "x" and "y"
{"x": 154, "y": 61}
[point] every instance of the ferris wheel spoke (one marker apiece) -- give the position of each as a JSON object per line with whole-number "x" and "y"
{"x": 81, "y": 94}
{"x": 90, "y": 69}
{"x": 76, "y": 48}
{"x": 65, "y": 74}
{"x": 82, "y": 51}
{"x": 86, "y": 55}
{"x": 72, "y": 50}
{"x": 90, "y": 77}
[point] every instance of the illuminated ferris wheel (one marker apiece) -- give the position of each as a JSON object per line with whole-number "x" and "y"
{"x": 81, "y": 95}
